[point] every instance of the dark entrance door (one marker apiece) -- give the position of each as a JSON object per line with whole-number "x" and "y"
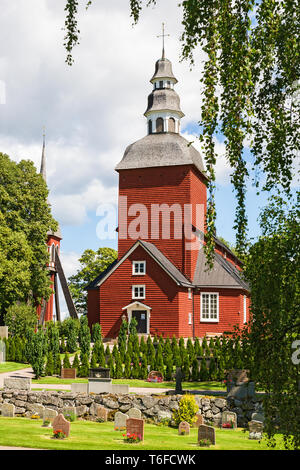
{"x": 141, "y": 318}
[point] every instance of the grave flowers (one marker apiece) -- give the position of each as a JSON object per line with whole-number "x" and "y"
{"x": 132, "y": 437}
{"x": 228, "y": 425}
{"x": 204, "y": 443}
{"x": 59, "y": 434}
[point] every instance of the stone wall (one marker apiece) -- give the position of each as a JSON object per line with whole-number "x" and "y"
{"x": 153, "y": 407}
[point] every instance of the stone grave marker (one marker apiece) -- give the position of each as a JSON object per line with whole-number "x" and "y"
{"x": 199, "y": 420}
{"x": 136, "y": 426}
{"x": 61, "y": 424}
{"x": 69, "y": 411}
{"x": 207, "y": 432}
{"x": 255, "y": 429}
{"x": 229, "y": 417}
{"x": 37, "y": 409}
{"x": 49, "y": 415}
{"x": 134, "y": 413}
{"x": 102, "y": 413}
{"x": 120, "y": 420}
{"x": 183, "y": 428}
{"x": 8, "y": 410}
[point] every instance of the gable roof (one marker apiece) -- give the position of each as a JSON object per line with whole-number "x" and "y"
{"x": 223, "y": 274}
{"x": 156, "y": 254}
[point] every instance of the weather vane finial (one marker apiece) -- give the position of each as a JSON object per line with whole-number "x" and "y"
{"x": 163, "y": 35}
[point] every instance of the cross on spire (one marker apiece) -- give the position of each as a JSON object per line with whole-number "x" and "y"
{"x": 163, "y": 35}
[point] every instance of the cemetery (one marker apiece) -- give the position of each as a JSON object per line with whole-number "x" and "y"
{"x": 188, "y": 417}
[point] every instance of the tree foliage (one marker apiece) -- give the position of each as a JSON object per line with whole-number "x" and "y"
{"x": 272, "y": 267}
{"x": 92, "y": 264}
{"x": 25, "y": 218}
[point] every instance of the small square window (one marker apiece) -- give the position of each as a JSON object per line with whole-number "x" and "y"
{"x": 138, "y": 292}
{"x": 139, "y": 267}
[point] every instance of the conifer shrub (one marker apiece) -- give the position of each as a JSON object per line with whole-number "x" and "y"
{"x": 187, "y": 409}
{"x": 84, "y": 366}
{"x": 49, "y": 367}
{"x": 66, "y": 361}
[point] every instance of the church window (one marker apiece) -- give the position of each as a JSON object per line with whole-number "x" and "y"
{"x": 159, "y": 125}
{"x": 209, "y": 307}
{"x": 139, "y": 267}
{"x": 161, "y": 84}
{"x": 190, "y": 318}
{"x": 171, "y": 124}
{"x": 138, "y": 292}
{"x": 52, "y": 254}
{"x": 149, "y": 126}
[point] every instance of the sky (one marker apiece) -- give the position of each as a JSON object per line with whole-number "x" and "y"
{"x": 93, "y": 110}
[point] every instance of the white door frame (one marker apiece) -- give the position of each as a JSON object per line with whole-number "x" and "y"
{"x": 138, "y": 306}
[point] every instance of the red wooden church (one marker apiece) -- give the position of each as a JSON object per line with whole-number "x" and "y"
{"x": 160, "y": 277}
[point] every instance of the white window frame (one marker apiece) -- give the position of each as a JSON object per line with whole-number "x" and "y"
{"x": 190, "y": 318}
{"x": 139, "y": 296}
{"x": 138, "y": 263}
{"x": 190, "y": 293}
{"x": 210, "y": 319}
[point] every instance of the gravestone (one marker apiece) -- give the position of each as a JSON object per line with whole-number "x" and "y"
{"x": 134, "y": 413}
{"x": 207, "y": 432}
{"x": 8, "y": 410}
{"x": 49, "y": 415}
{"x": 183, "y": 428}
{"x": 69, "y": 411}
{"x": 229, "y": 417}
{"x": 59, "y": 423}
{"x": 199, "y": 420}
{"x": 255, "y": 429}
{"x": 120, "y": 420}
{"x": 135, "y": 426}
{"x": 99, "y": 380}
{"x": 155, "y": 376}
{"x": 4, "y": 332}
{"x": 37, "y": 409}
{"x": 99, "y": 373}
{"x": 102, "y": 413}
{"x": 68, "y": 373}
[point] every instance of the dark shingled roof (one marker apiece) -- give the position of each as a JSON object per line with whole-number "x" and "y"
{"x": 164, "y": 149}
{"x": 223, "y": 274}
{"x": 164, "y": 99}
{"x": 163, "y": 69}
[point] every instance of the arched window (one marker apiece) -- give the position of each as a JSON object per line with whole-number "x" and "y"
{"x": 159, "y": 125}
{"x": 171, "y": 127}
{"x": 149, "y": 126}
{"x": 52, "y": 255}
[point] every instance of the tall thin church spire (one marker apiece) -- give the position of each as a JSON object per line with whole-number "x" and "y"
{"x": 43, "y": 161}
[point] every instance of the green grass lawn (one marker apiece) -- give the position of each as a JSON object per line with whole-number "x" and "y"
{"x": 138, "y": 383}
{"x": 87, "y": 435}
{"x": 12, "y": 366}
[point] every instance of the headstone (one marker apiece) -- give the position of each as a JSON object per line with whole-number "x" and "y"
{"x": 183, "y": 428}
{"x": 2, "y": 351}
{"x": 49, "y": 415}
{"x": 155, "y": 376}
{"x": 69, "y": 411}
{"x": 61, "y": 424}
{"x": 4, "y": 332}
{"x": 255, "y": 429}
{"x": 207, "y": 432}
{"x": 134, "y": 413}
{"x": 178, "y": 388}
{"x": 120, "y": 420}
{"x": 199, "y": 420}
{"x": 258, "y": 417}
{"x": 102, "y": 413}
{"x": 17, "y": 383}
{"x": 68, "y": 373}
{"x": 135, "y": 426}
{"x": 37, "y": 409}
{"x": 229, "y": 417}
{"x": 8, "y": 410}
